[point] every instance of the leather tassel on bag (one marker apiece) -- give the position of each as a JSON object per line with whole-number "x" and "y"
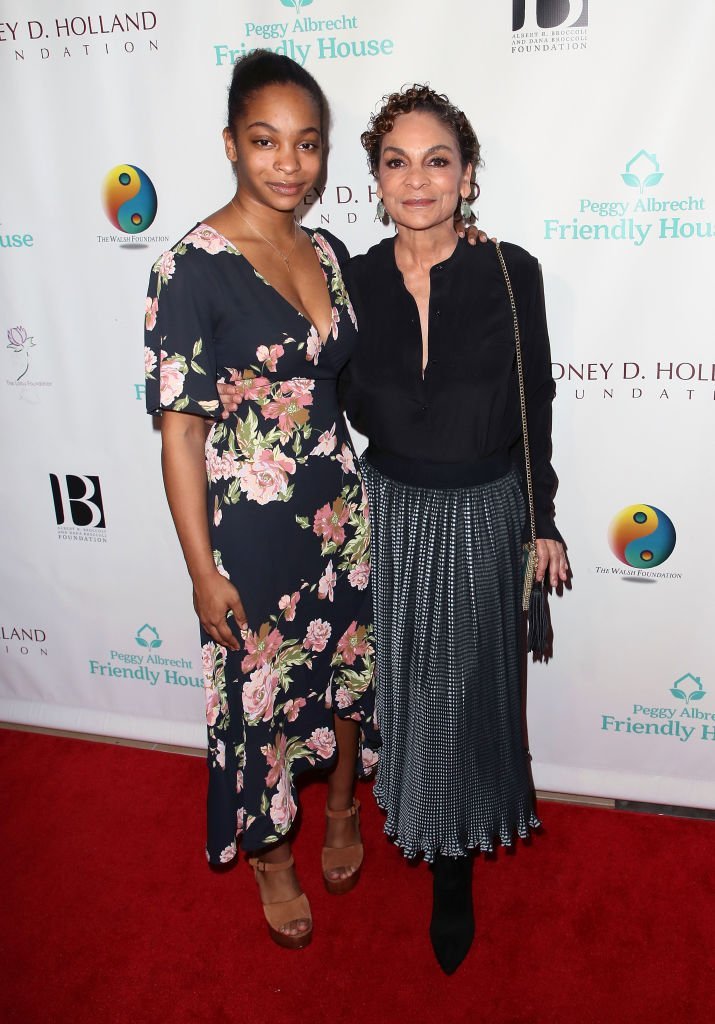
{"x": 534, "y": 595}
{"x": 534, "y": 604}
{"x": 538, "y": 619}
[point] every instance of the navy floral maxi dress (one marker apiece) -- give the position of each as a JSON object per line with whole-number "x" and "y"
{"x": 288, "y": 521}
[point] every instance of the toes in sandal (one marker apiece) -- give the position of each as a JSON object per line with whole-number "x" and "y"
{"x": 282, "y": 912}
{"x": 334, "y": 858}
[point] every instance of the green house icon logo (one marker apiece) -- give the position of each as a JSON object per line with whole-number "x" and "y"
{"x": 148, "y": 636}
{"x": 642, "y": 171}
{"x": 688, "y": 688}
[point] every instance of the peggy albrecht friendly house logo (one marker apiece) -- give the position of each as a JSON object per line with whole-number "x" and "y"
{"x": 332, "y": 33}
{"x": 642, "y": 171}
{"x": 643, "y": 211}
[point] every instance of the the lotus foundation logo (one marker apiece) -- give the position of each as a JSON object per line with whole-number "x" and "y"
{"x": 19, "y": 363}
{"x": 147, "y": 666}
{"x": 129, "y": 199}
{"x": 642, "y": 536}
{"x": 20, "y": 344}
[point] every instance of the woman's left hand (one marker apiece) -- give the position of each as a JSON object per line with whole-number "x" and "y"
{"x": 552, "y": 564}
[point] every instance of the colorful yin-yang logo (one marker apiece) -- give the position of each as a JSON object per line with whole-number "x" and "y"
{"x": 129, "y": 198}
{"x": 642, "y": 536}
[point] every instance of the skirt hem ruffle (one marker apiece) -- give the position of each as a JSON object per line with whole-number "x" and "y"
{"x": 483, "y": 843}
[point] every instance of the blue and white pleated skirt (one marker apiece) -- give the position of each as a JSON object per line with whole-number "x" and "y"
{"x": 454, "y": 772}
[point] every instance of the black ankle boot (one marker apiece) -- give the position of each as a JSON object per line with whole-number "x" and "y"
{"x": 452, "y": 926}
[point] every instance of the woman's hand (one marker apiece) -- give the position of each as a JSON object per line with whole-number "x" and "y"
{"x": 552, "y": 564}
{"x": 227, "y": 394}
{"x": 216, "y": 600}
{"x": 471, "y": 231}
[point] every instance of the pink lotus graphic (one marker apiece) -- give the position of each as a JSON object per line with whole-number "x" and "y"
{"x": 20, "y": 345}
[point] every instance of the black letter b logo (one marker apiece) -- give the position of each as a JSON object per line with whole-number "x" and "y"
{"x": 78, "y": 497}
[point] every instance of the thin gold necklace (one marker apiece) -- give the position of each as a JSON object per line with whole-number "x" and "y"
{"x": 284, "y": 256}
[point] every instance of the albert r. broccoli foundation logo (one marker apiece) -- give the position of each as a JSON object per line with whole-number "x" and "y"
{"x": 530, "y": 15}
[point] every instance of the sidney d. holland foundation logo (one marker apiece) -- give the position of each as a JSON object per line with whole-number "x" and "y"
{"x": 23, "y": 641}
{"x": 72, "y": 37}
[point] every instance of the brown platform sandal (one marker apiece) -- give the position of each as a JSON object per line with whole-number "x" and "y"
{"x": 334, "y": 857}
{"x": 280, "y": 913}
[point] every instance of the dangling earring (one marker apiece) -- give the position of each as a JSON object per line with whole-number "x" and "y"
{"x": 477, "y": 193}
{"x": 465, "y": 211}
{"x": 382, "y": 212}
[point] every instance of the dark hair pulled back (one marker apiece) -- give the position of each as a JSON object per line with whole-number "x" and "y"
{"x": 261, "y": 68}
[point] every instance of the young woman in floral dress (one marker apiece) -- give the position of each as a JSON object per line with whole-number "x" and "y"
{"x": 433, "y": 385}
{"x": 276, "y": 541}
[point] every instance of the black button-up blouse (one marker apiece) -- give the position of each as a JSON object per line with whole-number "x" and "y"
{"x": 464, "y": 412}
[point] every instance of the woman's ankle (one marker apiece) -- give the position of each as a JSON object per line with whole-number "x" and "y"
{"x": 275, "y": 854}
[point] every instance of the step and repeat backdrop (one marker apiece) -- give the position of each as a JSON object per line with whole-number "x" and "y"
{"x": 595, "y": 121}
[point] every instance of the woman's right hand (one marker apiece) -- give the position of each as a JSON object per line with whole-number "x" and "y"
{"x": 227, "y": 394}
{"x": 215, "y": 597}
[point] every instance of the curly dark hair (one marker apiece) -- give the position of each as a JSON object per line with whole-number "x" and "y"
{"x": 420, "y": 97}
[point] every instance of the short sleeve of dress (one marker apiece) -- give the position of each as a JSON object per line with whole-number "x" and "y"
{"x": 339, "y": 248}
{"x": 179, "y": 357}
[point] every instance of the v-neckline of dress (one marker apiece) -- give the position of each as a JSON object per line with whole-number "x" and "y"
{"x": 233, "y": 250}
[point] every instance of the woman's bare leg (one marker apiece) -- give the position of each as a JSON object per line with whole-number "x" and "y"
{"x": 342, "y": 832}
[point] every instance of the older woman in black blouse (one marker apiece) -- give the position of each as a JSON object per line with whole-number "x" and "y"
{"x": 433, "y": 385}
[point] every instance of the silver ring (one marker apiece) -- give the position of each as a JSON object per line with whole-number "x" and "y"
{"x": 229, "y": 614}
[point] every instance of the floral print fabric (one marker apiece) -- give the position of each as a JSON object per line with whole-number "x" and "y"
{"x": 288, "y": 520}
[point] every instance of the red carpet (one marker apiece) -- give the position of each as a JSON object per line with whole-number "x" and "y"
{"x": 110, "y": 913}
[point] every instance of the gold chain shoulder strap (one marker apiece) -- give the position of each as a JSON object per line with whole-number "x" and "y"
{"x": 522, "y": 396}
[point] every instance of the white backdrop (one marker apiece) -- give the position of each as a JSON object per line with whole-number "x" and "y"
{"x": 595, "y": 123}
